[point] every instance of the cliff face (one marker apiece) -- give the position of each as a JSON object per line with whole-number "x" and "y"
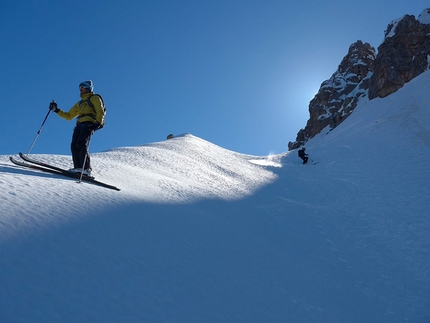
{"x": 402, "y": 56}
{"x": 338, "y": 96}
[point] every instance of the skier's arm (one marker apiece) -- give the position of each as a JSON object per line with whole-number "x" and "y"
{"x": 73, "y": 112}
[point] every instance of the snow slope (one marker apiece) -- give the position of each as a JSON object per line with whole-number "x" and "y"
{"x": 202, "y": 234}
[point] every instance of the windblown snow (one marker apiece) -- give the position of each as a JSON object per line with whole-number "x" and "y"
{"x": 199, "y": 233}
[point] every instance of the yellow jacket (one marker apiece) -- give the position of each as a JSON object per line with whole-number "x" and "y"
{"x": 83, "y": 110}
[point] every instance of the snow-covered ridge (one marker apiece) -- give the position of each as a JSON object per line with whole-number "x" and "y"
{"x": 182, "y": 169}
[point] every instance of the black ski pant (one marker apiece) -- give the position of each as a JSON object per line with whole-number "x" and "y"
{"x": 80, "y": 143}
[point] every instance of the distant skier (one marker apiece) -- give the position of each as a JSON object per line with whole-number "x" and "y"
{"x": 89, "y": 119}
{"x": 303, "y": 155}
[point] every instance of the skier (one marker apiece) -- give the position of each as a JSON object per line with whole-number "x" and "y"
{"x": 89, "y": 119}
{"x": 303, "y": 155}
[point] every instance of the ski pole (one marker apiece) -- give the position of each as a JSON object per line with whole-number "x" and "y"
{"x": 82, "y": 169}
{"x": 38, "y": 133}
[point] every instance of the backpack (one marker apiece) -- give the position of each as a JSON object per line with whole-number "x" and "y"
{"x": 102, "y": 124}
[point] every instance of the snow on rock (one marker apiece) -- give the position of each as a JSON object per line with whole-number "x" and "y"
{"x": 392, "y": 27}
{"x": 424, "y": 16}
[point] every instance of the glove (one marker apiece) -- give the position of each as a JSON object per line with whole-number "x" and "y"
{"x": 53, "y": 107}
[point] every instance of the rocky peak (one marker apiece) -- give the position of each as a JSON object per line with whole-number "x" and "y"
{"x": 338, "y": 96}
{"x": 402, "y": 56}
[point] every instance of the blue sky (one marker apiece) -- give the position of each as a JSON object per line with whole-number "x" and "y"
{"x": 237, "y": 73}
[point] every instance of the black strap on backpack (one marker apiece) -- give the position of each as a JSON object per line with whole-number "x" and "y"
{"x": 91, "y": 104}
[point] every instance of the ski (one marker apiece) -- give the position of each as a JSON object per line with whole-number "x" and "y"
{"x": 23, "y": 164}
{"x": 57, "y": 169}
{"x": 41, "y": 166}
{"x": 40, "y": 163}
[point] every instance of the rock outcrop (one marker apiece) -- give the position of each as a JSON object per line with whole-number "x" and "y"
{"x": 403, "y": 55}
{"x": 338, "y": 96}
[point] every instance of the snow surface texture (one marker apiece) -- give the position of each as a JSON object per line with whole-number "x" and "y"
{"x": 202, "y": 234}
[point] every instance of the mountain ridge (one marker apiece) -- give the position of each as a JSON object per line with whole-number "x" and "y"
{"x": 365, "y": 74}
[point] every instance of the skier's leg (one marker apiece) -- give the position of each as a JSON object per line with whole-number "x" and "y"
{"x": 74, "y": 147}
{"x": 83, "y": 142}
